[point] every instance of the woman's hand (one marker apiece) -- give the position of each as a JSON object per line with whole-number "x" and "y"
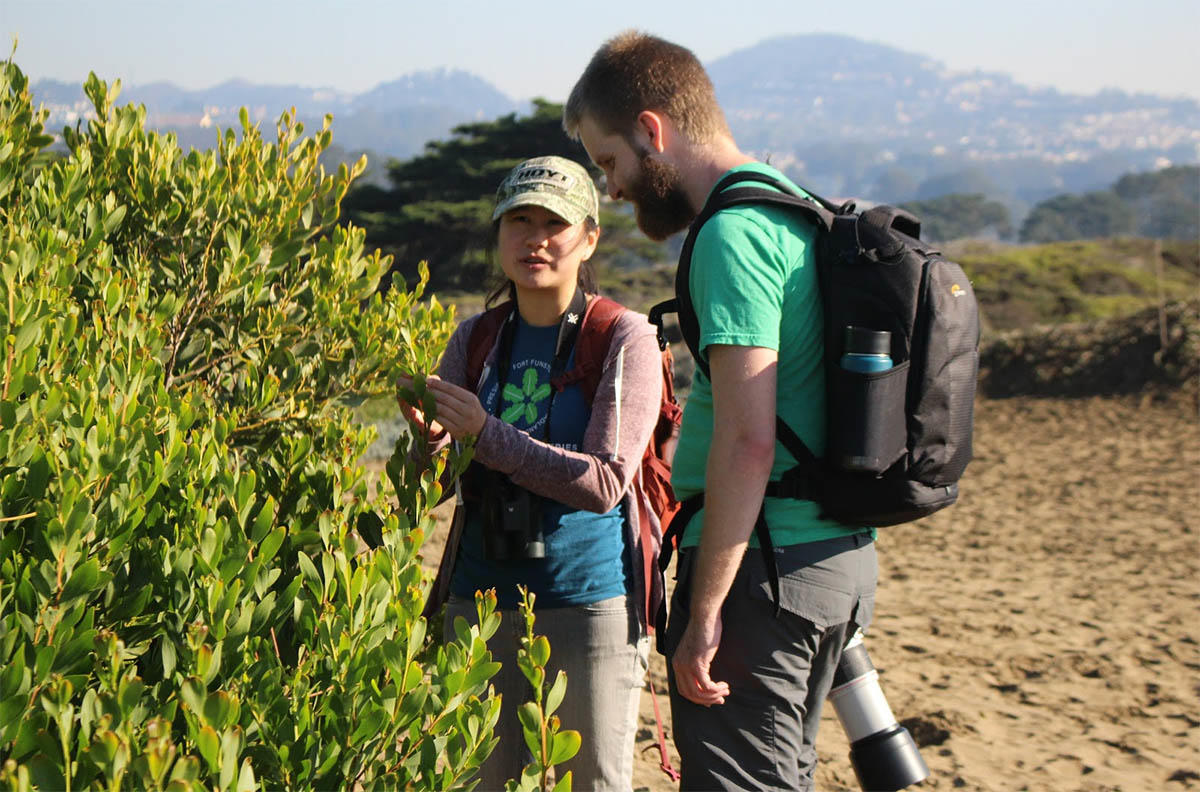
{"x": 458, "y": 409}
{"x": 413, "y": 413}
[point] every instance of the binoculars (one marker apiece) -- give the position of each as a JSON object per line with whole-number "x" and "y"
{"x": 512, "y": 527}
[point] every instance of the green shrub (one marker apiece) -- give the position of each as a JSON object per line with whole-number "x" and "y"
{"x": 197, "y": 589}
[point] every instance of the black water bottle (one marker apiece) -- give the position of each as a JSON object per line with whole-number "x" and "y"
{"x": 863, "y": 438}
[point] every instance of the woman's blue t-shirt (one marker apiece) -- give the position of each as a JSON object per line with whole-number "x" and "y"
{"x": 586, "y": 557}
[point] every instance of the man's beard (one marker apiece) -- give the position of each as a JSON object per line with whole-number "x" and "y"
{"x": 658, "y": 196}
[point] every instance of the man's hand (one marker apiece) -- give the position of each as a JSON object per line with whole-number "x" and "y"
{"x": 739, "y": 463}
{"x": 692, "y": 663}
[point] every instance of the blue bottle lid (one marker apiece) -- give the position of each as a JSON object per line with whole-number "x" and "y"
{"x": 863, "y": 341}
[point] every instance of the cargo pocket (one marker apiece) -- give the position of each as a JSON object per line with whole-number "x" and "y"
{"x": 867, "y": 431}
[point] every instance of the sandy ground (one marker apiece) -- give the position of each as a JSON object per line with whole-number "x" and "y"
{"x": 1043, "y": 633}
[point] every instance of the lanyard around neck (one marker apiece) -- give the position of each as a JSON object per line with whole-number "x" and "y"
{"x": 568, "y": 332}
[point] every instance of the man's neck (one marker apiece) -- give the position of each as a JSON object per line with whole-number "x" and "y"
{"x": 705, "y": 165}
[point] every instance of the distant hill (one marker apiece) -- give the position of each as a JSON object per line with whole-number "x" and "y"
{"x": 395, "y": 118}
{"x": 847, "y": 117}
{"x": 446, "y": 88}
{"x": 868, "y": 120}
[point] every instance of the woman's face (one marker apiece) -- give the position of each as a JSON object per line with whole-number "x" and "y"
{"x": 540, "y": 251}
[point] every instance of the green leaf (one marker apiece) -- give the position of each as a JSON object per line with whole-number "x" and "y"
{"x": 368, "y": 725}
{"x": 208, "y": 662}
{"x": 84, "y": 580}
{"x": 194, "y": 695}
{"x": 539, "y": 650}
{"x": 310, "y": 574}
{"x": 557, "y": 691}
{"x": 210, "y": 746}
{"x": 530, "y": 717}
{"x": 245, "y": 781}
{"x": 245, "y": 490}
{"x": 481, "y": 673}
{"x": 113, "y": 220}
{"x": 217, "y": 707}
{"x": 104, "y": 747}
{"x": 186, "y": 769}
{"x": 412, "y": 677}
{"x": 262, "y": 525}
{"x": 566, "y": 745}
{"x": 28, "y": 333}
{"x": 167, "y": 646}
{"x": 231, "y": 751}
{"x": 129, "y": 693}
{"x": 564, "y": 783}
{"x": 37, "y": 476}
{"x": 45, "y": 773}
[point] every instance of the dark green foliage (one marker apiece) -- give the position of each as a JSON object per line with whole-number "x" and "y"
{"x": 959, "y": 216}
{"x": 439, "y": 206}
{"x": 1167, "y": 202}
{"x": 1087, "y": 216}
{"x": 1163, "y": 204}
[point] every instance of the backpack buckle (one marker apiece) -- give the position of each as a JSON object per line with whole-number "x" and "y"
{"x": 795, "y": 485}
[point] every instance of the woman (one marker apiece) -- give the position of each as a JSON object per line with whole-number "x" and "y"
{"x": 549, "y": 501}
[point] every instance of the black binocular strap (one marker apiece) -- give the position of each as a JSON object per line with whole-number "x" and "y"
{"x": 568, "y": 332}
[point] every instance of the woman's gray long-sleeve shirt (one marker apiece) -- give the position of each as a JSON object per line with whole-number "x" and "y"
{"x": 601, "y": 474}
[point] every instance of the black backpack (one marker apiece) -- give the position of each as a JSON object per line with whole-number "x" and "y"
{"x": 874, "y": 272}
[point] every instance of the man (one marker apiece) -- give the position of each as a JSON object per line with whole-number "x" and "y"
{"x": 747, "y": 678}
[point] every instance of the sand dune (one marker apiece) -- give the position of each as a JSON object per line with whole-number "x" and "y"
{"x": 1043, "y": 633}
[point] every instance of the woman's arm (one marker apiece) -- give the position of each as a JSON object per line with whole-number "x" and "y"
{"x": 624, "y": 412}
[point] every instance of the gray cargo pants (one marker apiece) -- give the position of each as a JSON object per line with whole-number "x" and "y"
{"x": 779, "y": 667}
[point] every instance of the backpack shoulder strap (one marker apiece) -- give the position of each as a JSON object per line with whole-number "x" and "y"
{"x": 591, "y": 347}
{"x": 483, "y": 338}
{"x": 816, "y": 211}
{"x": 802, "y": 483}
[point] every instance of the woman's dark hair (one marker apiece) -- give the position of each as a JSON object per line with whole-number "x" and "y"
{"x": 507, "y": 289}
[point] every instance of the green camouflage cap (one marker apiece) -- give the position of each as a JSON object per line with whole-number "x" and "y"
{"x": 555, "y": 183}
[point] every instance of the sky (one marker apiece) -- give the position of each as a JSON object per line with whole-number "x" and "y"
{"x": 529, "y": 49}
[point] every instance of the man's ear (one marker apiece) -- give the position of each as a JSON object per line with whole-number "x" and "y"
{"x": 654, "y": 128}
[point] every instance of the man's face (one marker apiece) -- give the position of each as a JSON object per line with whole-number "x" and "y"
{"x": 653, "y": 186}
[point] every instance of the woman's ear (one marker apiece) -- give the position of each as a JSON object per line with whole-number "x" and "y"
{"x": 590, "y": 240}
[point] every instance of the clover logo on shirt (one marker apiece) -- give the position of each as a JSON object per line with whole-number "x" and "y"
{"x": 524, "y": 400}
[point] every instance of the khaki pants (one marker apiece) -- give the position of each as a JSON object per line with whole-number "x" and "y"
{"x": 602, "y": 651}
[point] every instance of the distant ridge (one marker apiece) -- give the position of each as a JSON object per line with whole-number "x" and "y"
{"x": 439, "y": 88}
{"x": 396, "y": 117}
{"x": 849, "y": 117}
{"x": 816, "y": 86}
{"x": 866, "y": 119}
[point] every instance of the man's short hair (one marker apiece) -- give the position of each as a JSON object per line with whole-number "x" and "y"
{"x": 635, "y": 71}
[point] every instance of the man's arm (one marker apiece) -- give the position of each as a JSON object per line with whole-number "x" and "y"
{"x": 739, "y": 465}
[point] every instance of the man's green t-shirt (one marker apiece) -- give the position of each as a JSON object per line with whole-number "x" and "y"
{"x": 754, "y": 284}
